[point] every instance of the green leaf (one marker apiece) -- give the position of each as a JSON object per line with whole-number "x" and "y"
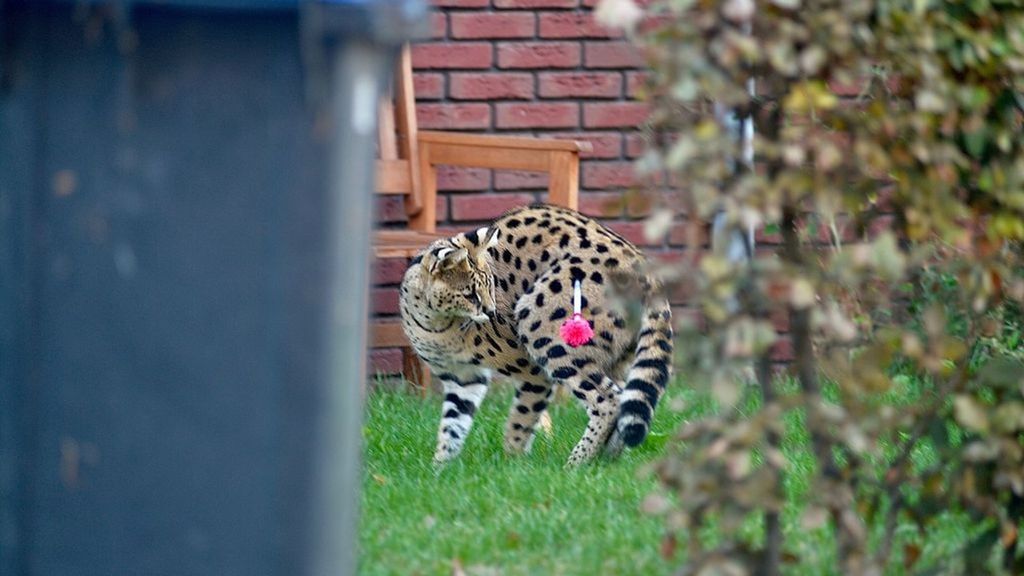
{"x": 970, "y": 413}
{"x": 975, "y": 142}
{"x": 1001, "y": 373}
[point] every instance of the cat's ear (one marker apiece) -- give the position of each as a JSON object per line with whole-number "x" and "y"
{"x": 447, "y": 258}
{"x": 484, "y": 238}
{"x": 490, "y": 237}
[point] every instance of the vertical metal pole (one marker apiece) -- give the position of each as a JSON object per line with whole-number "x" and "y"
{"x": 357, "y": 69}
{"x": 735, "y": 244}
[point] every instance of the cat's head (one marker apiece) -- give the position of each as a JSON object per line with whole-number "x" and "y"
{"x": 457, "y": 278}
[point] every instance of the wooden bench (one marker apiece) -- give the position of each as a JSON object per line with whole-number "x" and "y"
{"x": 407, "y": 165}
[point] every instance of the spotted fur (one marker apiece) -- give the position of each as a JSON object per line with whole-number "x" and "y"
{"x": 492, "y": 300}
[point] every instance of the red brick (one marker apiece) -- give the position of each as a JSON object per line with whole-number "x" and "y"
{"x": 438, "y": 25}
{"x": 428, "y": 85}
{"x": 632, "y": 231}
{"x": 879, "y": 224}
{"x": 782, "y": 350}
{"x": 636, "y": 84}
{"x": 537, "y": 115}
{"x": 515, "y": 180}
{"x": 763, "y": 238}
{"x": 682, "y": 294}
{"x": 384, "y": 361}
{"x": 679, "y": 235}
{"x": 532, "y": 4}
{"x": 459, "y": 179}
{"x": 672, "y": 257}
{"x": 619, "y": 54}
{"x": 688, "y": 318}
{"x": 389, "y": 270}
{"x": 451, "y": 55}
{"x": 635, "y": 145}
{"x": 769, "y": 253}
{"x": 459, "y": 116}
{"x": 538, "y": 55}
{"x": 477, "y": 86}
{"x": 639, "y": 202}
{"x": 384, "y": 300}
{"x": 573, "y": 25}
{"x": 780, "y": 320}
{"x": 389, "y": 209}
{"x": 605, "y": 144}
{"x": 601, "y": 204}
{"x": 674, "y": 198}
{"x": 461, "y": 3}
{"x": 449, "y": 230}
{"x": 487, "y": 206}
{"x": 442, "y": 207}
{"x": 580, "y": 85}
{"x": 492, "y": 25}
{"x": 650, "y": 24}
{"x": 597, "y": 175}
{"x": 614, "y": 114}
{"x": 392, "y": 209}
{"x": 845, "y": 228}
{"x": 847, "y": 88}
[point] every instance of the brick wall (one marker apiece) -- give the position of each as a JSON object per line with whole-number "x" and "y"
{"x": 528, "y": 67}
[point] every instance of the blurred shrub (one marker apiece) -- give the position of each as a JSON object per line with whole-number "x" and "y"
{"x": 898, "y": 211}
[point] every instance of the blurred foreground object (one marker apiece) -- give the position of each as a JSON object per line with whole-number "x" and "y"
{"x": 185, "y": 204}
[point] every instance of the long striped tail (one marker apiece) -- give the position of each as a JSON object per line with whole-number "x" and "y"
{"x": 648, "y": 376}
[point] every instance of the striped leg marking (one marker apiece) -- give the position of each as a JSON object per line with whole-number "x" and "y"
{"x": 462, "y": 397}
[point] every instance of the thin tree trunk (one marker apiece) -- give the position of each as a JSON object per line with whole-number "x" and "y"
{"x": 772, "y": 561}
{"x": 848, "y": 545}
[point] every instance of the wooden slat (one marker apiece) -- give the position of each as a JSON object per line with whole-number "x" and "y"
{"x": 426, "y": 219}
{"x": 387, "y": 144}
{"x": 444, "y": 154}
{"x": 393, "y": 177}
{"x": 405, "y": 119}
{"x": 564, "y": 180}
{"x": 387, "y": 335}
{"x": 385, "y": 251}
{"x": 416, "y": 371}
{"x": 505, "y": 142}
{"x": 401, "y": 243}
{"x": 405, "y": 238}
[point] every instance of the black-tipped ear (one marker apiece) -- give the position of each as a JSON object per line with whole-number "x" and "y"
{"x": 486, "y": 237}
{"x": 492, "y": 238}
{"x": 446, "y": 258}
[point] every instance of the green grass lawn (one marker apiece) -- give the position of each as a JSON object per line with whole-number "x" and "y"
{"x": 492, "y": 514}
{"x": 525, "y": 515}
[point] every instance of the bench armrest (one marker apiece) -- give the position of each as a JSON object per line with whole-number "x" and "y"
{"x": 557, "y": 158}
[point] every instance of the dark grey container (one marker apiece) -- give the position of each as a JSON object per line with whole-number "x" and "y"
{"x": 184, "y": 222}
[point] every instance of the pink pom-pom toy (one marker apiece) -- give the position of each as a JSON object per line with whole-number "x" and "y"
{"x": 576, "y": 331}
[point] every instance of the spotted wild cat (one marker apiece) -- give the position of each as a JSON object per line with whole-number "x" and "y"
{"x": 493, "y": 300}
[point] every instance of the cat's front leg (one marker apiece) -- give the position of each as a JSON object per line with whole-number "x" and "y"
{"x": 463, "y": 393}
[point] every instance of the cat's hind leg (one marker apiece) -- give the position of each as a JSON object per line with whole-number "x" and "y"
{"x": 463, "y": 394}
{"x": 533, "y": 394}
